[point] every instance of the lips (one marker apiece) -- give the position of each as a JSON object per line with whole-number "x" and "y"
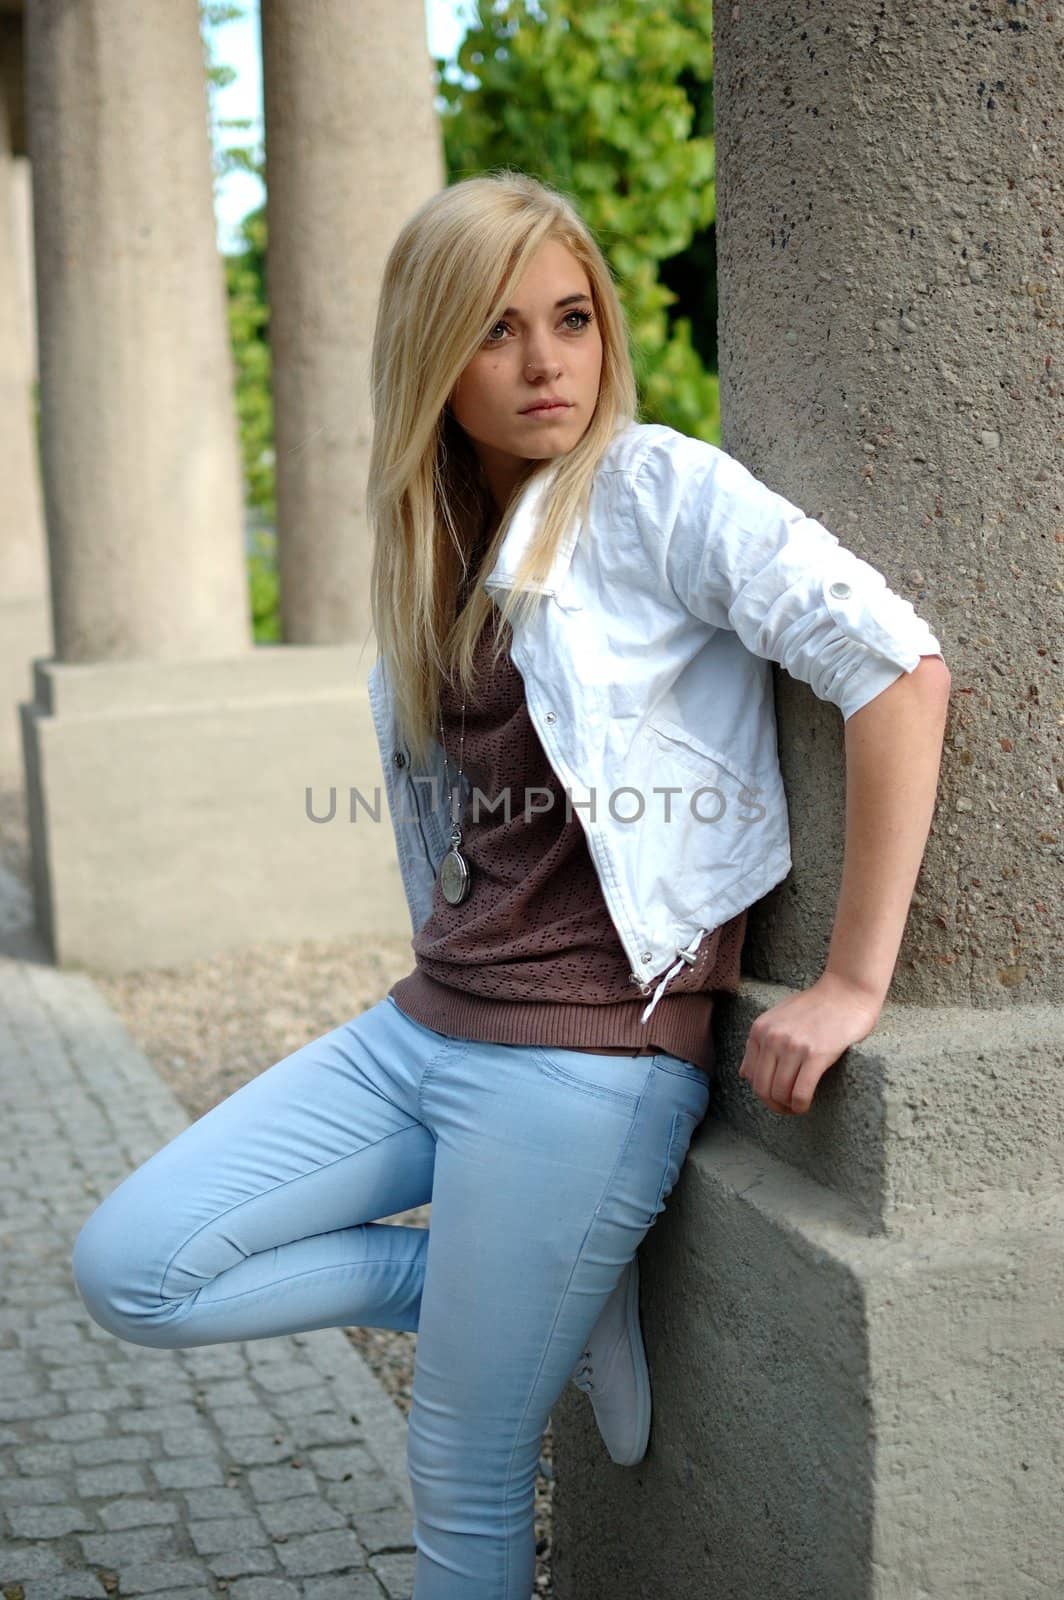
{"x": 546, "y": 406}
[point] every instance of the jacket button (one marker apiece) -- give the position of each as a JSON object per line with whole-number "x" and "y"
{"x": 841, "y": 591}
{"x": 399, "y": 758}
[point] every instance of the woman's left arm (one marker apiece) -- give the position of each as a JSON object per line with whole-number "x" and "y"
{"x": 893, "y": 751}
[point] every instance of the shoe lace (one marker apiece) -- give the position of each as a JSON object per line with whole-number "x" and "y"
{"x": 582, "y": 1376}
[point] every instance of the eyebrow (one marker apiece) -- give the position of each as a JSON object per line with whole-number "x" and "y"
{"x": 570, "y": 299}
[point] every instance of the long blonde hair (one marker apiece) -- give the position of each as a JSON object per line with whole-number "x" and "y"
{"x": 447, "y": 279}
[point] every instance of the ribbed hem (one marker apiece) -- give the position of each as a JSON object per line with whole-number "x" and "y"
{"x": 680, "y": 1025}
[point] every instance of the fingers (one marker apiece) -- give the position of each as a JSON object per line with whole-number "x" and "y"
{"x": 803, "y": 1089}
{"x": 771, "y": 1076}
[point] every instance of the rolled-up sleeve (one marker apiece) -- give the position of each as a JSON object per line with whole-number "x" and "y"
{"x": 738, "y": 555}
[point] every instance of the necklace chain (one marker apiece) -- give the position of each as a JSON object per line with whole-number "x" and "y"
{"x": 446, "y": 771}
{"x": 455, "y": 876}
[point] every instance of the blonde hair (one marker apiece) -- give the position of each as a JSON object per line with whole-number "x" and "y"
{"x": 448, "y": 277}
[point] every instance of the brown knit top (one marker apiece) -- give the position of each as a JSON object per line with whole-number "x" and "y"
{"x": 531, "y": 956}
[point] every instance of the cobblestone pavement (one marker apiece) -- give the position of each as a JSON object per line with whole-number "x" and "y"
{"x": 264, "y": 1470}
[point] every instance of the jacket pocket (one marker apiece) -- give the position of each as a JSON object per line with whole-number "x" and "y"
{"x": 712, "y": 767}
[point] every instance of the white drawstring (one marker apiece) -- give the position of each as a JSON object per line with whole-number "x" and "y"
{"x": 688, "y": 958}
{"x": 660, "y": 990}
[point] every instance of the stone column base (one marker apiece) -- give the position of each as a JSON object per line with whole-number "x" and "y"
{"x": 168, "y": 809}
{"x": 858, "y": 1385}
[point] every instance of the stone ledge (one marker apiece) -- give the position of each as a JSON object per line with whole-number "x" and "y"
{"x": 938, "y": 1109}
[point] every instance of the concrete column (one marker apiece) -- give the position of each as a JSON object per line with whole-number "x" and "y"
{"x": 892, "y": 359}
{"x": 353, "y": 148}
{"x": 141, "y": 466}
{"x": 174, "y": 774}
{"x": 23, "y": 558}
{"x": 25, "y": 620}
{"x": 853, "y": 1317}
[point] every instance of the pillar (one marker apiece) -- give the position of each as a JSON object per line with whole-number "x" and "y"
{"x": 141, "y": 467}
{"x": 168, "y": 762}
{"x": 853, "y": 1317}
{"x": 25, "y": 619}
{"x": 352, "y": 148}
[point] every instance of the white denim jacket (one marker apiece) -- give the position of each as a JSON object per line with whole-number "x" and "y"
{"x": 648, "y": 681}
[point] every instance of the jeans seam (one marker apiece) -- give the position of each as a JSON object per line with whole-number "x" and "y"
{"x": 314, "y": 1171}
{"x": 563, "y": 1298}
{"x": 662, "y": 1062}
{"x": 441, "y": 1055}
{"x": 308, "y": 1272}
{"x": 674, "y": 1129}
{"x": 625, "y": 1097}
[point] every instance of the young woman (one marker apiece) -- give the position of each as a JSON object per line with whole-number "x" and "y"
{"x": 576, "y": 615}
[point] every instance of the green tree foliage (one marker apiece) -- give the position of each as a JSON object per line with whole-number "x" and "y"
{"x": 245, "y": 281}
{"x": 245, "y": 278}
{"x": 611, "y": 102}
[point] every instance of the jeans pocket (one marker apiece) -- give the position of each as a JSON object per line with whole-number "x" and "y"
{"x": 619, "y": 1079}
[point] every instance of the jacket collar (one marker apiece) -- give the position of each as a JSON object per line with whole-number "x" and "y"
{"x": 523, "y": 525}
{"x": 525, "y": 521}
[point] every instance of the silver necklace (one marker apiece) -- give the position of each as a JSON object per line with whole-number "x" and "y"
{"x": 455, "y": 875}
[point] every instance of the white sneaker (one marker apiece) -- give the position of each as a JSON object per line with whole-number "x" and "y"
{"x": 613, "y": 1371}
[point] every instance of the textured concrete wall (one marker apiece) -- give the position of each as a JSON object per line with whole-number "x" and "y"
{"x": 890, "y": 230}
{"x": 852, "y": 1318}
{"x": 141, "y": 465}
{"x": 852, "y": 1322}
{"x": 353, "y": 147}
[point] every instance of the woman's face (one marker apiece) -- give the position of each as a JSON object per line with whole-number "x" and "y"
{"x": 547, "y": 345}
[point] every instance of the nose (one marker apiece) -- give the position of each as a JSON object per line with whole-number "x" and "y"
{"x": 540, "y": 357}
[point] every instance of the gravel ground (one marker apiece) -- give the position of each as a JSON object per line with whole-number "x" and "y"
{"x": 210, "y": 1026}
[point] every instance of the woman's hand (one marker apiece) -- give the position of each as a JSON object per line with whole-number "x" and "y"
{"x": 792, "y": 1045}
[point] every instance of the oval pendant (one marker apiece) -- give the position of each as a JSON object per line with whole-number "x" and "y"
{"x": 454, "y": 877}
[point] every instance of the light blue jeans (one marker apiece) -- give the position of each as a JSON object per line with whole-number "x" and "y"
{"x": 545, "y": 1168}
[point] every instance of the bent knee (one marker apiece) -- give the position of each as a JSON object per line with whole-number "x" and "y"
{"x": 115, "y": 1283}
